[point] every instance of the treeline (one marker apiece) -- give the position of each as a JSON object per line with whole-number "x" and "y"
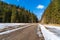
{"x": 15, "y": 14}
{"x": 52, "y": 13}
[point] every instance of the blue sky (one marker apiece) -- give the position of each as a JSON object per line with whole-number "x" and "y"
{"x": 35, "y": 6}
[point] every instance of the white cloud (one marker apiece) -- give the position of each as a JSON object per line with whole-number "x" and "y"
{"x": 40, "y": 6}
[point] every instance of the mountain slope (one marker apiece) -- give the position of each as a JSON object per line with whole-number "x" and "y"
{"x": 52, "y": 13}
{"x": 15, "y": 14}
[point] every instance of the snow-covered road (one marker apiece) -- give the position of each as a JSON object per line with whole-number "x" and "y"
{"x": 50, "y": 32}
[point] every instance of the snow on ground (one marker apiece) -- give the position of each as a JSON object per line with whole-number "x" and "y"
{"x": 9, "y": 31}
{"x": 54, "y": 29}
{"x": 50, "y": 26}
{"x": 47, "y": 34}
{"x": 39, "y": 32}
{"x": 4, "y": 25}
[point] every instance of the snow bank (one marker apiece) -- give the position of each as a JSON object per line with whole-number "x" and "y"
{"x": 4, "y": 25}
{"x": 47, "y": 34}
{"x": 39, "y": 32}
{"x": 54, "y": 29}
{"x": 50, "y": 26}
{"x": 9, "y": 31}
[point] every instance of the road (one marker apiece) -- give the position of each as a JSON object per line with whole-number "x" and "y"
{"x": 23, "y": 34}
{"x": 30, "y": 33}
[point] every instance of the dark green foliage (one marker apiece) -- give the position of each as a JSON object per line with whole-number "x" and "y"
{"x": 52, "y": 13}
{"x": 15, "y": 14}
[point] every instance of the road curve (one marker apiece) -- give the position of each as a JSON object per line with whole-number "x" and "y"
{"x": 23, "y": 34}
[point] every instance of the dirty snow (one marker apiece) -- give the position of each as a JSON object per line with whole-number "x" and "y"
{"x": 39, "y": 32}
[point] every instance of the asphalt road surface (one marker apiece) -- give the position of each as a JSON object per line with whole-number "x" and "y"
{"x": 23, "y": 34}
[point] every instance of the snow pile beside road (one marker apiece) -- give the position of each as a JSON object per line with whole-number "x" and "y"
{"x": 6, "y": 25}
{"x": 39, "y": 32}
{"x": 47, "y": 34}
{"x": 55, "y": 30}
{"x": 9, "y": 31}
{"x": 50, "y": 26}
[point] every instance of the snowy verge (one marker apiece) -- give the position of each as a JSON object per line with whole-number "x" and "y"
{"x": 47, "y": 34}
{"x": 6, "y": 25}
{"x": 9, "y": 31}
{"x": 50, "y": 26}
{"x": 39, "y": 33}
